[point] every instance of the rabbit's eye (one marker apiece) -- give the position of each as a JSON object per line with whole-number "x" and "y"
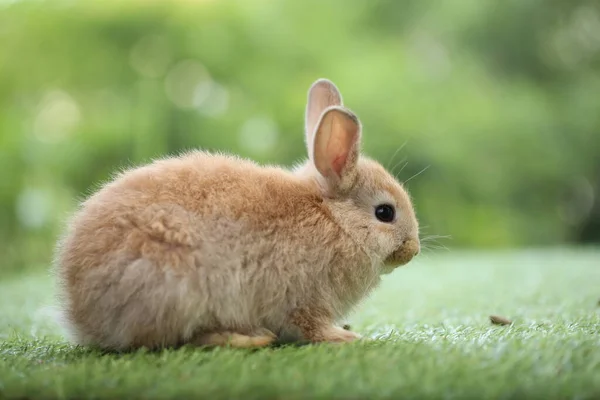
{"x": 385, "y": 213}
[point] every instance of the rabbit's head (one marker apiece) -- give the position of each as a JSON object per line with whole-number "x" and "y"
{"x": 365, "y": 200}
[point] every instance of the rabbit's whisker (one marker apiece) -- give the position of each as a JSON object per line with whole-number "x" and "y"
{"x": 394, "y": 155}
{"x": 401, "y": 169}
{"x": 417, "y": 174}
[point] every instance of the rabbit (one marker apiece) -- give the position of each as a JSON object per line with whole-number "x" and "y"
{"x": 208, "y": 249}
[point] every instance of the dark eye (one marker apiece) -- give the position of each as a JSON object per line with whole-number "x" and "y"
{"x": 385, "y": 213}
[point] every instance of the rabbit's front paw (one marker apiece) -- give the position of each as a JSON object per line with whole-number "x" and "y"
{"x": 339, "y": 335}
{"x": 315, "y": 325}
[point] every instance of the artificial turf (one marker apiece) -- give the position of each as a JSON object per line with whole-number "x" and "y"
{"x": 428, "y": 328}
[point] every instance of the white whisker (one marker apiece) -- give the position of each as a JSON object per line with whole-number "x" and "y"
{"x": 394, "y": 155}
{"x": 417, "y": 174}
{"x": 401, "y": 169}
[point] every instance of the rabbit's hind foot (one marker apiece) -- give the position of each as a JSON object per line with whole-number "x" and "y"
{"x": 262, "y": 338}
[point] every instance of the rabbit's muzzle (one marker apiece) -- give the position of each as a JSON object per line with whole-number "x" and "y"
{"x": 403, "y": 254}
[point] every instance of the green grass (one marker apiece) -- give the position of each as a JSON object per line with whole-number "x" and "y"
{"x": 434, "y": 340}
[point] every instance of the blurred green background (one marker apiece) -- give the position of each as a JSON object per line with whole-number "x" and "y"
{"x": 499, "y": 99}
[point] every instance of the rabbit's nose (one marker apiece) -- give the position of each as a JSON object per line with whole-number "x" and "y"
{"x": 407, "y": 250}
{"x": 412, "y": 247}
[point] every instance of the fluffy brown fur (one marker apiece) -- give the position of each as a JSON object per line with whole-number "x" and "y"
{"x": 212, "y": 249}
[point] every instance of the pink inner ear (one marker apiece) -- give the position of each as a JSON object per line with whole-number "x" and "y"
{"x": 335, "y": 142}
{"x": 341, "y": 142}
{"x": 339, "y": 162}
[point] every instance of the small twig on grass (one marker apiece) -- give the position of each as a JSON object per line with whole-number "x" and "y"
{"x": 497, "y": 320}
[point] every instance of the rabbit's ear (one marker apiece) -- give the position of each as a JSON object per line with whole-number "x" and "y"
{"x": 336, "y": 147}
{"x": 321, "y": 95}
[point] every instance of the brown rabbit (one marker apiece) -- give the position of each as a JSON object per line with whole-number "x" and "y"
{"x": 211, "y": 249}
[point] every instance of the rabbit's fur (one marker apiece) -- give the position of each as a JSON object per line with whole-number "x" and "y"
{"x": 212, "y": 249}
